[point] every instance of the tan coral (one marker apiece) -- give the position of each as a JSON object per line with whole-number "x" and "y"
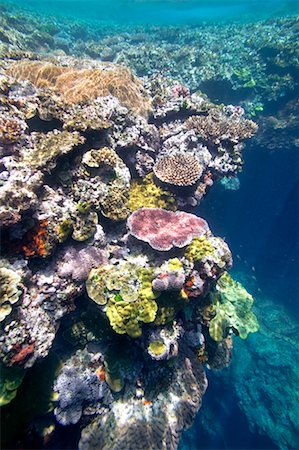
{"x": 81, "y": 85}
{"x": 218, "y": 126}
{"x": 180, "y": 169}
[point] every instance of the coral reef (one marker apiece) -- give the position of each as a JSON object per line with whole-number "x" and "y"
{"x": 146, "y": 194}
{"x": 87, "y": 150}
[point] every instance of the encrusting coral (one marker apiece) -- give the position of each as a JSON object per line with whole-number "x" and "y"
{"x": 146, "y": 194}
{"x": 163, "y": 229}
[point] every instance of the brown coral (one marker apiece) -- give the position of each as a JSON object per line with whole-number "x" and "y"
{"x": 180, "y": 169}
{"x": 219, "y": 125}
{"x": 81, "y": 85}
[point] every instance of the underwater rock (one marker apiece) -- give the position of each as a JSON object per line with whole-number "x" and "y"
{"x": 163, "y": 230}
{"x": 156, "y": 421}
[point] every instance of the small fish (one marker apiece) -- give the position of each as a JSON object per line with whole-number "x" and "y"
{"x": 253, "y": 269}
{"x": 147, "y": 402}
{"x": 239, "y": 257}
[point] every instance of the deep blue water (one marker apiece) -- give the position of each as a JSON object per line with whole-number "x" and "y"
{"x": 260, "y": 221}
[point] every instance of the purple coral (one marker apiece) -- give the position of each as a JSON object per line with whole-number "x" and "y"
{"x": 163, "y": 230}
{"x": 77, "y": 263}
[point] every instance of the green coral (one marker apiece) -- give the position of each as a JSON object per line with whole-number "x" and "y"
{"x": 146, "y": 194}
{"x": 233, "y": 308}
{"x": 96, "y": 284}
{"x": 157, "y": 347}
{"x": 114, "y": 205}
{"x": 10, "y": 291}
{"x": 199, "y": 248}
{"x": 127, "y": 289}
{"x": 48, "y": 147}
{"x": 125, "y": 317}
{"x": 85, "y": 226}
{"x": 10, "y": 379}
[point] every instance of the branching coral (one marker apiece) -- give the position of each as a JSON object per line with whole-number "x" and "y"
{"x": 221, "y": 125}
{"x": 233, "y": 308}
{"x": 81, "y": 85}
{"x": 180, "y": 169}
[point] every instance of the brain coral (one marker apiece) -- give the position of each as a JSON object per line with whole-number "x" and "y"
{"x": 163, "y": 230}
{"x": 180, "y": 169}
{"x": 81, "y": 85}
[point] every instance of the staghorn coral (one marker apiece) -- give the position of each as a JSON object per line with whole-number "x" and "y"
{"x": 233, "y": 310}
{"x": 146, "y": 194}
{"x": 179, "y": 169}
{"x": 81, "y": 85}
{"x": 10, "y": 291}
{"x": 163, "y": 229}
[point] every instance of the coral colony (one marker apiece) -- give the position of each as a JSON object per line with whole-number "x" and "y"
{"x": 101, "y": 174}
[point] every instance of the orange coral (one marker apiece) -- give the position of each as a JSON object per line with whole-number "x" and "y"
{"x": 81, "y": 85}
{"x": 36, "y": 240}
{"x": 101, "y": 374}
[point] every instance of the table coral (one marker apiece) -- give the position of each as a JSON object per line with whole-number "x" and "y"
{"x": 163, "y": 229}
{"x": 179, "y": 169}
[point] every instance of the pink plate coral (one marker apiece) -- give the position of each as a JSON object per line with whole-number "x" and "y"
{"x": 163, "y": 229}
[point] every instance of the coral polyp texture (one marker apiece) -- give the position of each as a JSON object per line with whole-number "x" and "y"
{"x": 178, "y": 169}
{"x": 163, "y": 230}
{"x": 100, "y": 251}
{"x": 80, "y": 85}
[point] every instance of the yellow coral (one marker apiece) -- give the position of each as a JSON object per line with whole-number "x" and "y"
{"x": 146, "y": 194}
{"x": 198, "y": 249}
{"x": 81, "y": 85}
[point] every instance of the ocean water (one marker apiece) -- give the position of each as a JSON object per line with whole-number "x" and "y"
{"x": 236, "y": 53}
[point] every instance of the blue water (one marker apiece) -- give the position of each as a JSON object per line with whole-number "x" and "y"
{"x": 167, "y": 12}
{"x": 259, "y": 221}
